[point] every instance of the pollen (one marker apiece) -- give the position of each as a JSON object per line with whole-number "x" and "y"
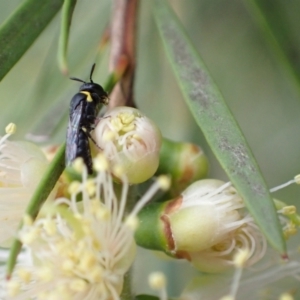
{"x": 11, "y": 128}
{"x": 100, "y": 163}
{"x": 132, "y": 222}
{"x": 24, "y": 274}
{"x": 241, "y": 258}
{"x": 74, "y": 187}
{"x": 227, "y": 298}
{"x": 118, "y": 171}
{"x": 50, "y": 227}
{"x": 13, "y": 288}
{"x": 289, "y": 210}
{"x": 123, "y": 122}
{"x": 109, "y": 135}
{"x": 297, "y": 179}
{"x": 286, "y": 296}
{"x": 45, "y": 274}
{"x": 30, "y": 236}
{"x": 126, "y": 118}
{"x": 78, "y": 165}
{"x": 90, "y": 187}
{"x": 164, "y": 182}
{"x": 157, "y": 280}
{"x": 78, "y": 285}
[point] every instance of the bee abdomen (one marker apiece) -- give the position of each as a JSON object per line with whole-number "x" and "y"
{"x": 83, "y": 150}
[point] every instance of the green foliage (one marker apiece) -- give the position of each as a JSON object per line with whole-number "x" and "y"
{"x": 218, "y": 125}
{"x": 260, "y": 85}
{"x": 22, "y": 28}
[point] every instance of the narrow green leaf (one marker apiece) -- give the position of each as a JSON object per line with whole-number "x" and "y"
{"x": 218, "y": 125}
{"x": 21, "y": 29}
{"x": 66, "y": 19}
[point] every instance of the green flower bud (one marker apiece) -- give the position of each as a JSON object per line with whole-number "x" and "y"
{"x": 205, "y": 225}
{"x": 184, "y": 162}
{"x": 131, "y": 142}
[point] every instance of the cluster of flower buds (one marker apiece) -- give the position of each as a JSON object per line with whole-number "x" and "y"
{"x": 87, "y": 240}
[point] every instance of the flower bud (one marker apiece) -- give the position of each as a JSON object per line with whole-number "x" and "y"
{"x": 131, "y": 141}
{"x": 206, "y": 225}
{"x": 184, "y": 162}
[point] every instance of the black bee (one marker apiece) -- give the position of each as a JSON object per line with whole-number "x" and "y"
{"x": 84, "y": 108}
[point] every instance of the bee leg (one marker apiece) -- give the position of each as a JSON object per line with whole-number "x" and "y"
{"x": 88, "y": 134}
{"x": 97, "y": 120}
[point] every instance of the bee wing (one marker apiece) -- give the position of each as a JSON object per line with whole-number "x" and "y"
{"x": 72, "y": 133}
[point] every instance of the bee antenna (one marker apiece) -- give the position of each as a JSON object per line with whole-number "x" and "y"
{"x": 77, "y": 79}
{"x": 92, "y": 71}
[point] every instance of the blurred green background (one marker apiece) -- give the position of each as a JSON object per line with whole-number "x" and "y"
{"x": 255, "y": 85}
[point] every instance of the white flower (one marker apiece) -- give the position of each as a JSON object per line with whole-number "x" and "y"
{"x": 80, "y": 249}
{"x": 208, "y": 225}
{"x": 131, "y": 140}
{"x": 21, "y": 166}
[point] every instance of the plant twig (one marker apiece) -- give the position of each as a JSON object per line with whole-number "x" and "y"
{"x": 123, "y": 37}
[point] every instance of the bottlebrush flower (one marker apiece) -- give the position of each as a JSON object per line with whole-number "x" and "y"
{"x": 21, "y": 166}
{"x": 80, "y": 249}
{"x": 206, "y": 225}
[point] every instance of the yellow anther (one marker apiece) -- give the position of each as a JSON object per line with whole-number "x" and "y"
{"x": 45, "y": 274}
{"x": 289, "y": 210}
{"x": 87, "y": 261}
{"x": 97, "y": 245}
{"x": 101, "y": 163}
{"x": 96, "y": 274}
{"x": 102, "y": 213}
{"x": 29, "y": 237}
{"x": 118, "y": 171}
{"x": 74, "y": 187}
{"x": 43, "y": 295}
{"x": 116, "y": 124}
{"x": 164, "y": 182}
{"x": 126, "y": 118}
{"x": 67, "y": 265}
{"x": 290, "y": 230}
{"x": 11, "y": 128}
{"x": 109, "y": 135}
{"x": 13, "y": 288}
{"x": 24, "y": 274}
{"x": 132, "y": 222}
{"x": 50, "y": 227}
{"x": 240, "y": 258}
{"x": 286, "y": 296}
{"x": 297, "y": 179}
{"x": 78, "y": 285}
{"x": 128, "y": 128}
{"x": 78, "y": 165}
{"x": 227, "y": 298}
{"x": 157, "y": 280}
